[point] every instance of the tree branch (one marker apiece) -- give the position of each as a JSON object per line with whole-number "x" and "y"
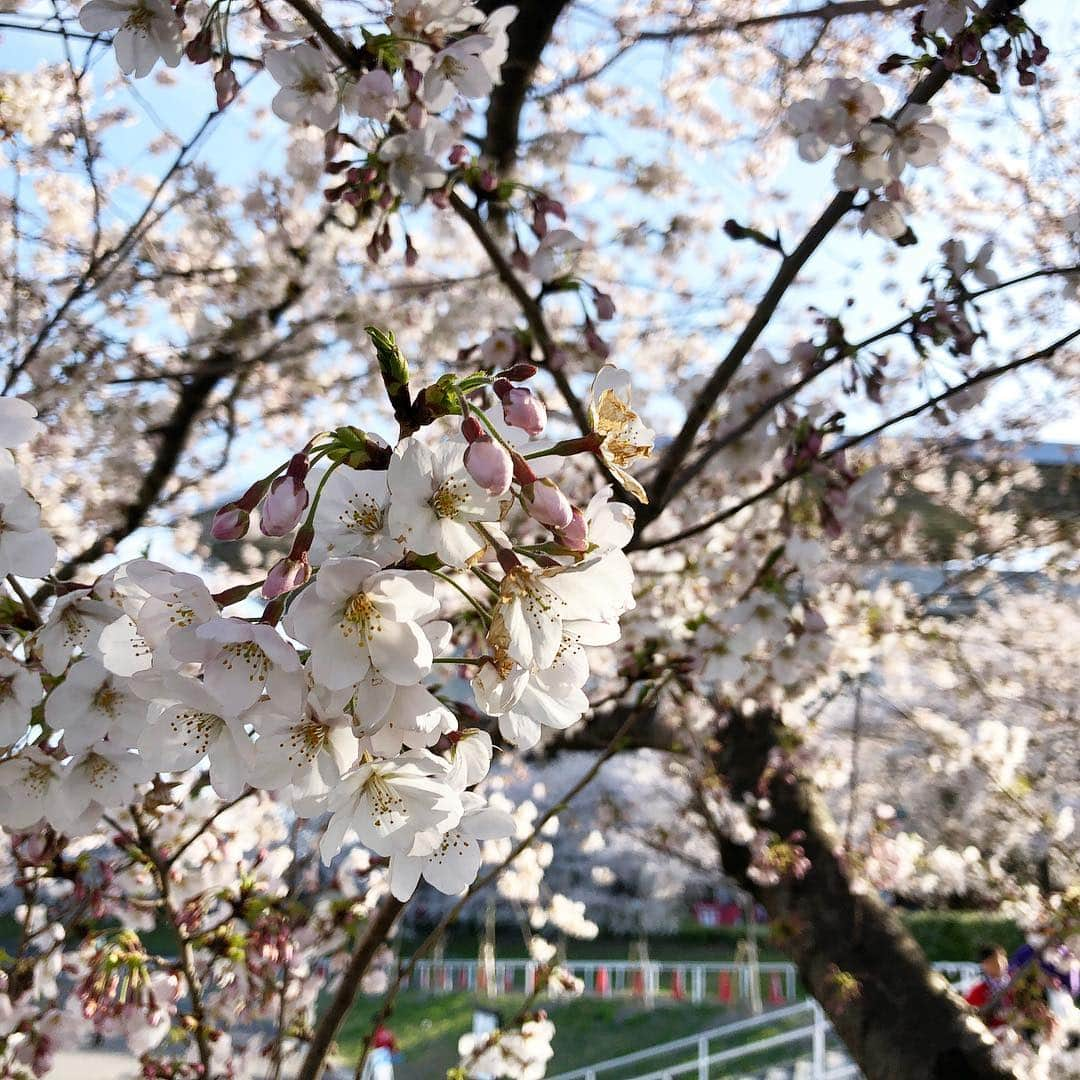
{"x": 375, "y": 933}
{"x": 789, "y": 269}
{"x": 638, "y": 544}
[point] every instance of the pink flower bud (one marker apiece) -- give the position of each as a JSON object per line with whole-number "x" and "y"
{"x": 489, "y": 464}
{"x": 230, "y": 523}
{"x": 281, "y": 509}
{"x": 472, "y": 430}
{"x": 226, "y": 87}
{"x": 523, "y": 409}
{"x": 605, "y": 306}
{"x": 548, "y": 505}
{"x": 576, "y": 535}
{"x": 285, "y": 575}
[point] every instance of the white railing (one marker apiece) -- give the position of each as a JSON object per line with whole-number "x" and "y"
{"x": 810, "y": 1027}
{"x": 724, "y": 983}
{"x": 809, "y": 1023}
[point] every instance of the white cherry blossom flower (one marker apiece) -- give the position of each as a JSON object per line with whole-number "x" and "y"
{"x": 190, "y": 724}
{"x": 309, "y": 92}
{"x": 459, "y": 68}
{"x": 250, "y": 656}
{"x": 533, "y": 608}
{"x": 389, "y": 803}
{"x": 26, "y": 550}
{"x": 74, "y": 624}
{"x": 415, "y": 17}
{"x": 20, "y": 691}
{"x": 17, "y": 423}
{"x": 146, "y": 31}
{"x": 356, "y": 616}
{"x": 525, "y": 702}
{"x": 168, "y": 608}
{"x": 866, "y": 165}
{"x": 371, "y": 96}
{"x": 105, "y": 776}
{"x": 883, "y": 217}
{"x": 949, "y": 16}
{"x": 450, "y": 860}
{"x": 413, "y": 718}
{"x": 27, "y": 783}
{"x": 495, "y": 27}
{"x": 433, "y": 500}
{"x": 470, "y": 757}
{"x": 916, "y": 140}
{"x": 350, "y": 518}
{"x": 412, "y": 163}
{"x": 556, "y": 255}
{"x": 306, "y": 745}
{"x": 91, "y": 703}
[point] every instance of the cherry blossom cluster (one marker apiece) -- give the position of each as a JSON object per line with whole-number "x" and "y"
{"x": 267, "y": 930}
{"x": 350, "y": 712}
{"x": 847, "y": 114}
{"x": 386, "y": 93}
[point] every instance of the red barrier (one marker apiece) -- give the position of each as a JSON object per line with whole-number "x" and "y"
{"x": 639, "y": 983}
{"x": 724, "y": 989}
{"x": 463, "y": 979}
{"x": 603, "y": 983}
{"x": 678, "y": 987}
{"x": 776, "y": 989}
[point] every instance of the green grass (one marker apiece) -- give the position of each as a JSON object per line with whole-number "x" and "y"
{"x": 586, "y": 1029}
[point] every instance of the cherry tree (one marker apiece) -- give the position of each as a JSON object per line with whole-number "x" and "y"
{"x": 406, "y": 292}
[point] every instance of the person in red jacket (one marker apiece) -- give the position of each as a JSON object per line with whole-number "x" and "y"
{"x": 384, "y": 1037}
{"x": 990, "y": 996}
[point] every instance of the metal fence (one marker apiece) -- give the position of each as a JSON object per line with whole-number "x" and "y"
{"x": 724, "y": 983}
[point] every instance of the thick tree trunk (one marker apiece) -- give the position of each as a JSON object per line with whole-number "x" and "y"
{"x": 898, "y": 1019}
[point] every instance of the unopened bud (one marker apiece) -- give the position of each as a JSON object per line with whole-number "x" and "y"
{"x": 472, "y": 430}
{"x": 282, "y": 508}
{"x": 576, "y": 535}
{"x": 519, "y": 372}
{"x": 605, "y": 306}
{"x": 521, "y": 407}
{"x": 286, "y": 575}
{"x": 548, "y": 505}
{"x": 489, "y": 464}
{"x": 230, "y": 523}
{"x": 200, "y": 48}
{"x": 523, "y": 474}
{"x": 226, "y": 87}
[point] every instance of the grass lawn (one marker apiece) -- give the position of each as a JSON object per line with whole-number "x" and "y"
{"x": 586, "y": 1029}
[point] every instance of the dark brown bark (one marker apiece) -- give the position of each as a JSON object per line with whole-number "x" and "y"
{"x": 529, "y": 34}
{"x": 899, "y": 1021}
{"x": 375, "y": 934}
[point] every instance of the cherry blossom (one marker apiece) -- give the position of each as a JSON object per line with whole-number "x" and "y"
{"x": 146, "y": 31}
{"x": 308, "y": 94}
{"x": 20, "y": 692}
{"x": 432, "y": 496}
{"x": 350, "y": 518}
{"x": 411, "y": 159}
{"x": 626, "y": 437}
{"x": 357, "y": 616}
{"x": 389, "y": 803}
